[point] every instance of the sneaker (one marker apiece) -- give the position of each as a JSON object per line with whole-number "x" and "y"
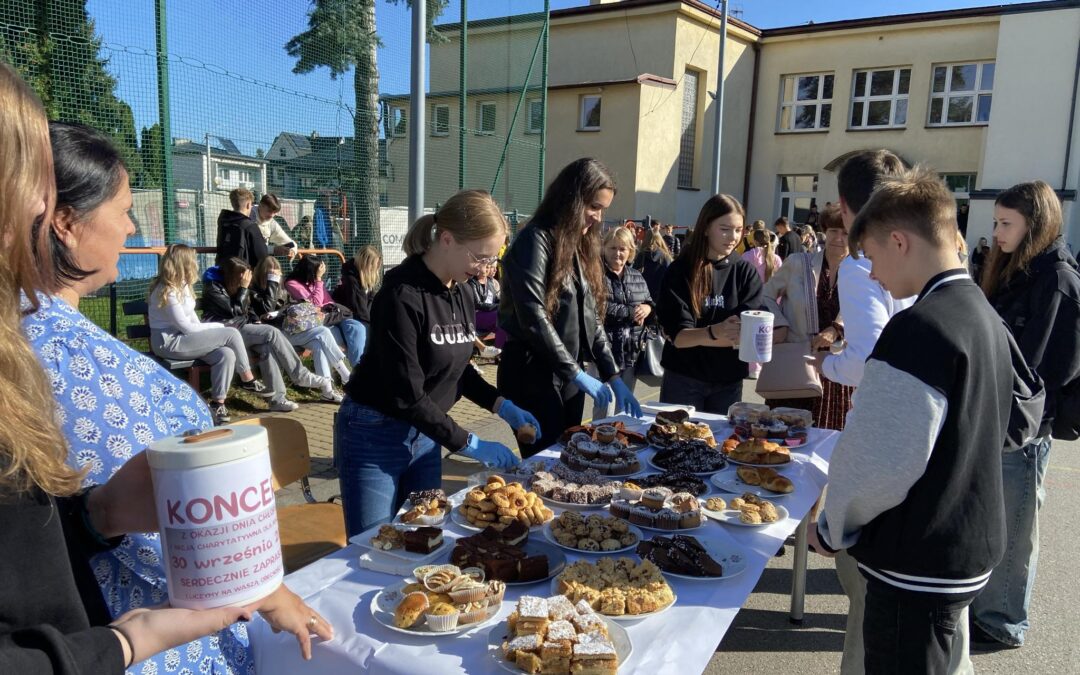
{"x": 283, "y": 405}
{"x": 256, "y": 387}
{"x": 490, "y": 352}
{"x": 221, "y": 414}
{"x": 332, "y": 396}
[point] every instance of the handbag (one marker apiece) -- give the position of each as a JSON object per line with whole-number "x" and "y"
{"x": 790, "y": 374}
{"x": 300, "y": 318}
{"x": 648, "y": 368}
{"x": 334, "y": 313}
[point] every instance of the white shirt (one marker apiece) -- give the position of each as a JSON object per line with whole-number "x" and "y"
{"x": 865, "y": 307}
{"x": 273, "y": 233}
{"x": 178, "y": 315}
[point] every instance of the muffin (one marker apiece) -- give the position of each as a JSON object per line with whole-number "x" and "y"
{"x": 642, "y": 515}
{"x": 690, "y": 520}
{"x": 588, "y": 449}
{"x": 526, "y": 434}
{"x": 684, "y": 502}
{"x": 605, "y": 433}
{"x": 653, "y": 498}
{"x": 470, "y": 591}
{"x": 630, "y": 492}
{"x": 667, "y": 519}
{"x": 609, "y": 453}
{"x": 442, "y": 617}
{"x": 759, "y": 431}
{"x": 408, "y": 611}
{"x": 620, "y": 508}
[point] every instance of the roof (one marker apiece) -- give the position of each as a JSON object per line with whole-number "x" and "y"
{"x": 326, "y": 152}
{"x": 644, "y": 78}
{"x": 585, "y": 10}
{"x": 224, "y": 148}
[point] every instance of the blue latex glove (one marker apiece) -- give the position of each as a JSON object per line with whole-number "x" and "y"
{"x": 600, "y": 392}
{"x": 517, "y": 418}
{"x": 624, "y": 398}
{"x": 489, "y": 453}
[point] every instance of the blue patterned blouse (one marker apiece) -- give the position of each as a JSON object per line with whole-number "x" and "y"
{"x": 112, "y": 402}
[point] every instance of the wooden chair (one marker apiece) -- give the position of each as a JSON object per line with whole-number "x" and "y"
{"x": 311, "y": 530}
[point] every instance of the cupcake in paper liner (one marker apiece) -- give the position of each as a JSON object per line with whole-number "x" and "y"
{"x": 496, "y": 591}
{"x": 474, "y": 612}
{"x": 442, "y": 617}
{"x": 468, "y": 592}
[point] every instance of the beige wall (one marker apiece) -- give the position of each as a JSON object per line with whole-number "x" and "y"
{"x": 920, "y": 46}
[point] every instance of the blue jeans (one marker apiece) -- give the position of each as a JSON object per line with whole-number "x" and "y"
{"x": 709, "y": 397}
{"x": 1001, "y": 610}
{"x": 353, "y": 335}
{"x": 380, "y": 461}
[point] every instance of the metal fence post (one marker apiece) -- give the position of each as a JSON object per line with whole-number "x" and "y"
{"x": 463, "y": 80}
{"x": 168, "y": 192}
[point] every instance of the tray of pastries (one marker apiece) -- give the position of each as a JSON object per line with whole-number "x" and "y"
{"x": 696, "y": 457}
{"x": 498, "y": 504}
{"x": 439, "y": 600}
{"x": 756, "y": 452}
{"x": 507, "y": 555}
{"x": 573, "y": 489}
{"x": 425, "y": 507}
{"x": 749, "y": 510}
{"x": 620, "y": 588}
{"x": 677, "y": 481}
{"x": 552, "y": 635}
{"x": 583, "y": 452}
{"x": 592, "y": 534}
{"x": 606, "y": 433}
{"x": 672, "y": 426}
{"x": 789, "y": 426}
{"x": 761, "y": 481}
{"x": 687, "y": 557}
{"x": 660, "y": 509}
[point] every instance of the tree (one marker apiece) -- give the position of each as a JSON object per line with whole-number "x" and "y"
{"x": 341, "y": 35}
{"x": 152, "y": 150}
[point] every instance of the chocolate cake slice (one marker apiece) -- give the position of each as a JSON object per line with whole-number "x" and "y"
{"x": 423, "y": 539}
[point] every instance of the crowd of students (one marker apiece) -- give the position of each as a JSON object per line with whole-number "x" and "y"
{"x": 924, "y": 389}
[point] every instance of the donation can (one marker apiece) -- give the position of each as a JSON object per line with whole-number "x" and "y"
{"x": 755, "y": 336}
{"x": 214, "y": 494}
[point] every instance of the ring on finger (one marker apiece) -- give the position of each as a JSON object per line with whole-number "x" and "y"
{"x": 313, "y": 620}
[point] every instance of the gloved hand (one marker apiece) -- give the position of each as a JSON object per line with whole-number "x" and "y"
{"x": 489, "y": 453}
{"x": 600, "y": 392}
{"x": 516, "y": 417}
{"x": 624, "y": 398}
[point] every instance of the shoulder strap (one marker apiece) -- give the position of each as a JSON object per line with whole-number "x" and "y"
{"x": 812, "y": 326}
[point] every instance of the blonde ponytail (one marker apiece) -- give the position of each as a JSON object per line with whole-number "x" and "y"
{"x": 420, "y": 236}
{"x": 469, "y": 215}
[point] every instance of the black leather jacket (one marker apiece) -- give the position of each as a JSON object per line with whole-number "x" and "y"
{"x": 575, "y": 334}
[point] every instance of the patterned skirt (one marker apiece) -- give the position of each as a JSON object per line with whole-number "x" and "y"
{"x": 829, "y": 410}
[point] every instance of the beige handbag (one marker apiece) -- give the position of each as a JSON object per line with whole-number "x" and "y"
{"x": 790, "y": 374}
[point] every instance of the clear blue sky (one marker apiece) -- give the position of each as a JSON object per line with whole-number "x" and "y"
{"x": 236, "y": 80}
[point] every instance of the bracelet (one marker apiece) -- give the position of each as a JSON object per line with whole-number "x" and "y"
{"x": 131, "y": 644}
{"x": 708, "y": 329}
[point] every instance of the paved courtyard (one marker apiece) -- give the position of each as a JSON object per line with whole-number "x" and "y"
{"x": 762, "y": 640}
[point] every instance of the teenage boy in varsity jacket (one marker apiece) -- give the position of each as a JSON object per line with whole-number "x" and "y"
{"x": 915, "y": 492}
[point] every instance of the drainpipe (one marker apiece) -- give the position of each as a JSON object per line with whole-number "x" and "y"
{"x": 1072, "y": 121}
{"x": 719, "y": 100}
{"x": 418, "y": 74}
{"x": 750, "y": 130}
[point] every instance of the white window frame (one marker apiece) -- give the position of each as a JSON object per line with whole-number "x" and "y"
{"x": 957, "y": 193}
{"x": 865, "y": 98}
{"x": 480, "y": 107}
{"x": 399, "y": 116}
{"x": 435, "y": 129}
{"x": 947, "y": 93}
{"x": 582, "y": 126}
{"x": 818, "y": 102}
{"x": 792, "y": 195}
{"x": 529, "y": 128}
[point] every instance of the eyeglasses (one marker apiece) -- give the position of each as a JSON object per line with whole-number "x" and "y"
{"x": 482, "y": 262}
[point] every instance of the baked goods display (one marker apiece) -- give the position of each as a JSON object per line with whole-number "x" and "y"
{"x": 421, "y": 540}
{"x": 660, "y": 508}
{"x": 583, "y": 451}
{"x": 690, "y": 456}
{"x": 565, "y": 485}
{"x": 592, "y": 534}
{"x": 500, "y": 554}
{"x": 754, "y": 420}
{"x": 552, "y": 635}
{"x": 388, "y": 538}
{"x": 498, "y": 504}
{"x": 607, "y": 433}
{"x": 442, "y": 598}
{"x": 677, "y": 481}
{"x": 681, "y": 554}
{"x": 672, "y": 426}
{"x": 426, "y": 507}
{"x": 759, "y": 451}
{"x": 754, "y": 510}
{"x": 766, "y": 478}
{"x": 616, "y": 586}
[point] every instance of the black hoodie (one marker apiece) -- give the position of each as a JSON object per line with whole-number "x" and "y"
{"x": 416, "y": 364}
{"x": 239, "y": 237}
{"x": 351, "y": 293}
{"x": 1042, "y": 308}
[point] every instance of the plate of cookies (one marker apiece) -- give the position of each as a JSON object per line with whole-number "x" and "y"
{"x": 622, "y": 589}
{"x": 749, "y": 510}
{"x": 595, "y": 534}
{"x": 763, "y": 482}
{"x": 497, "y": 504}
{"x": 446, "y": 601}
{"x": 552, "y": 635}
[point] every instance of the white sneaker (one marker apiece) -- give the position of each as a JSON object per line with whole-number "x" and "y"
{"x": 283, "y": 405}
{"x": 490, "y": 352}
{"x": 332, "y": 396}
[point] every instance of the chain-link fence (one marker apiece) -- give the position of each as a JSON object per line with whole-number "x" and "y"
{"x": 306, "y": 100}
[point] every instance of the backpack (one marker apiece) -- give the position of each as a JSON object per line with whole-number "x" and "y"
{"x": 300, "y": 318}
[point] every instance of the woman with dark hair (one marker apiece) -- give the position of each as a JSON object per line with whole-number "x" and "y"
{"x": 1031, "y": 280}
{"x": 305, "y": 283}
{"x": 110, "y": 402}
{"x": 552, "y": 307}
{"x": 704, "y": 292}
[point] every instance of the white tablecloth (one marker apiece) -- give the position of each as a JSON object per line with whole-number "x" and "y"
{"x": 680, "y": 641}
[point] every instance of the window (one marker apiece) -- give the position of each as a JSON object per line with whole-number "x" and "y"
{"x": 879, "y": 98}
{"x": 688, "y": 129}
{"x": 399, "y": 122}
{"x": 485, "y": 117}
{"x": 307, "y": 182}
{"x": 960, "y": 184}
{"x": 536, "y": 116}
{"x": 440, "y": 120}
{"x": 961, "y": 93}
{"x": 796, "y": 195}
{"x": 279, "y": 175}
{"x": 589, "y": 119}
{"x": 805, "y": 102}
{"x": 244, "y": 176}
{"x": 282, "y": 151}
{"x": 222, "y": 172}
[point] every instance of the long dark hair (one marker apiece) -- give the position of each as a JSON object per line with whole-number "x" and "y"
{"x": 88, "y": 171}
{"x": 563, "y": 210}
{"x": 306, "y": 270}
{"x": 1041, "y": 210}
{"x": 696, "y": 250}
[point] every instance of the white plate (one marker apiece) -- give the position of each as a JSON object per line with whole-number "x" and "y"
{"x": 778, "y": 467}
{"x": 704, "y": 522}
{"x": 643, "y": 476}
{"x": 729, "y": 481}
{"x": 386, "y": 600}
{"x": 733, "y": 561}
{"x": 550, "y": 536}
{"x": 619, "y": 638}
{"x": 628, "y": 618}
{"x": 363, "y": 540}
{"x": 422, "y": 521}
{"x": 457, "y": 517}
{"x": 568, "y": 506}
{"x": 556, "y": 560}
{"x": 731, "y": 516}
{"x": 693, "y": 473}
